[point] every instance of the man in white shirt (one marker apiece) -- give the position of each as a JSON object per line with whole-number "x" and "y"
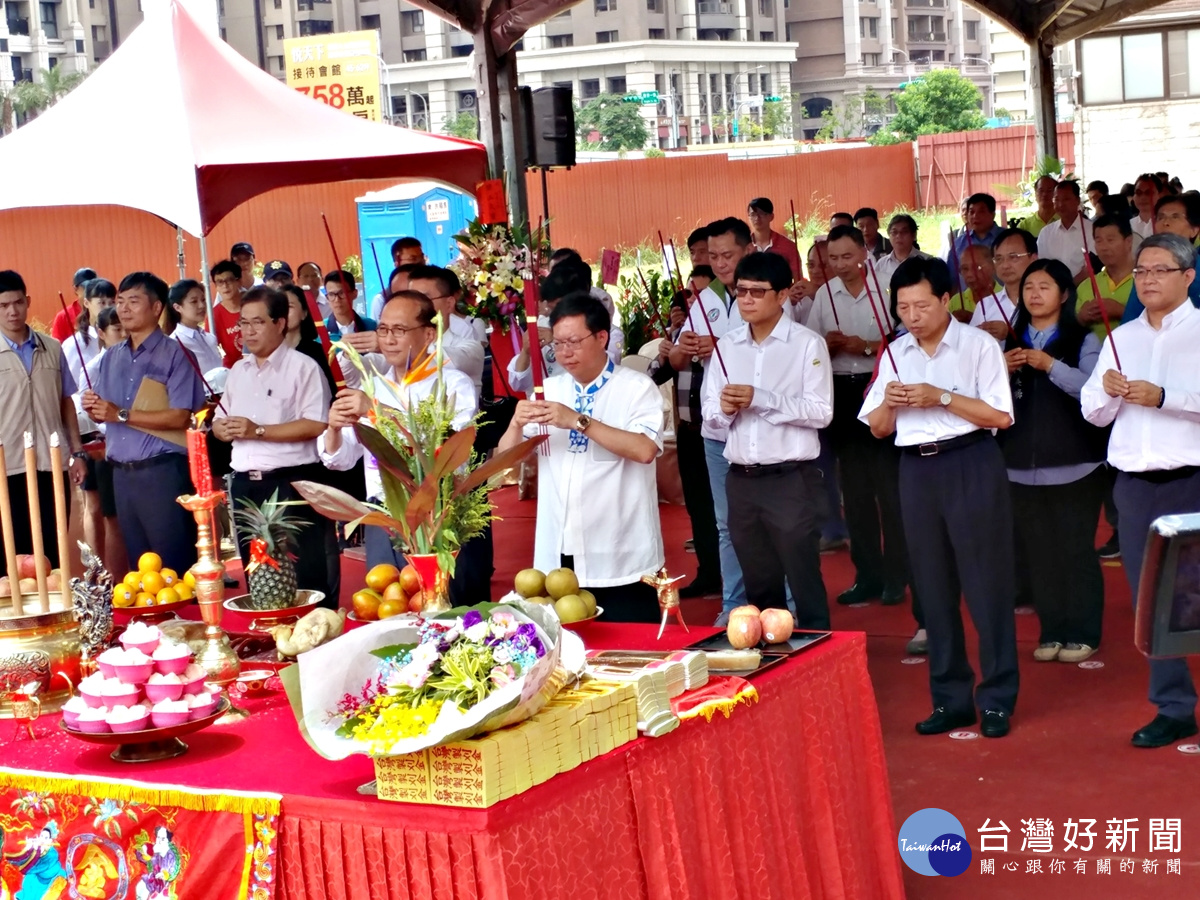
{"x": 870, "y": 467}
{"x": 1146, "y": 191}
{"x": 616, "y": 337}
{"x": 728, "y": 243}
{"x": 276, "y": 403}
{"x": 1013, "y": 252}
{"x": 445, "y": 290}
{"x": 771, "y": 394}
{"x": 1153, "y": 404}
{"x": 597, "y": 495}
{"x": 1064, "y": 239}
{"x": 951, "y": 390}
{"x": 993, "y": 311}
{"x": 902, "y": 231}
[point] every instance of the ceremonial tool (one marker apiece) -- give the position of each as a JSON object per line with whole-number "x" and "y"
{"x": 383, "y": 288}
{"x": 992, "y": 293}
{"x": 26, "y": 707}
{"x": 828, "y": 289}
{"x": 314, "y": 311}
{"x": 302, "y": 602}
{"x": 1087, "y": 261}
{"x": 91, "y": 598}
{"x": 536, "y": 363}
{"x": 668, "y": 597}
{"x": 887, "y": 345}
{"x": 217, "y": 657}
{"x": 40, "y": 650}
{"x": 75, "y": 336}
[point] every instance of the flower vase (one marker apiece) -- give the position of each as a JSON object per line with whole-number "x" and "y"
{"x": 435, "y": 582}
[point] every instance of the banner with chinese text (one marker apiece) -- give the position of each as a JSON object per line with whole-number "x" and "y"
{"x": 340, "y": 70}
{"x": 105, "y": 839}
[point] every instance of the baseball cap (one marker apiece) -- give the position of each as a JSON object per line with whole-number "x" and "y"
{"x": 240, "y": 247}
{"x": 762, "y": 204}
{"x": 82, "y": 275}
{"x": 276, "y": 267}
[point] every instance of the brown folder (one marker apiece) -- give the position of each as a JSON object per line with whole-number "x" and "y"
{"x": 152, "y": 397}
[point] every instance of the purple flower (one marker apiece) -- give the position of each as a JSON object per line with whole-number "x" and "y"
{"x": 472, "y": 617}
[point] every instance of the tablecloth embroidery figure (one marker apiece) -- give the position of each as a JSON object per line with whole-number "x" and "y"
{"x": 162, "y": 867}
{"x": 43, "y": 875}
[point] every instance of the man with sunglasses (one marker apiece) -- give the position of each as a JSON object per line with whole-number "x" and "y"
{"x": 597, "y": 494}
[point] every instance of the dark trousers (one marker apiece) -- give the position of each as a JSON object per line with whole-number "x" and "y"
{"x": 870, "y": 471}
{"x": 1056, "y": 529}
{"x": 635, "y": 602}
{"x": 18, "y": 495}
{"x": 312, "y": 543}
{"x": 1140, "y": 502}
{"x": 472, "y": 581}
{"x": 698, "y": 498}
{"x": 775, "y": 518}
{"x": 958, "y": 520}
{"x": 149, "y": 518}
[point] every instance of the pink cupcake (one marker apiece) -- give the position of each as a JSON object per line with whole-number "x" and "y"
{"x": 172, "y": 659}
{"x": 166, "y": 713}
{"x": 140, "y": 636}
{"x": 107, "y": 661}
{"x": 92, "y": 690}
{"x": 93, "y": 721}
{"x": 128, "y": 718}
{"x": 134, "y": 668}
{"x": 193, "y": 679}
{"x": 72, "y": 709}
{"x": 164, "y": 687}
{"x": 117, "y": 693}
{"x": 202, "y": 704}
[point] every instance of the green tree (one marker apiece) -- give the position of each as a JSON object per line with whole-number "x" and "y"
{"x": 940, "y": 102}
{"x": 620, "y": 125}
{"x": 777, "y": 119}
{"x": 58, "y": 82}
{"x": 28, "y": 98}
{"x": 463, "y": 125}
{"x": 854, "y": 115}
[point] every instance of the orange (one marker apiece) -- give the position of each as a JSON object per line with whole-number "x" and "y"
{"x": 366, "y": 605}
{"x": 166, "y": 595}
{"x": 185, "y": 592}
{"x": 133, "y": 581}
{"x": 381, "y": 576}
{"x": 169, "y": 577}
{"x": 123, "y": 596}
{"x": 190, "y": 580}
{"x": 152, "y": 582}
{"x": 144, "y": 599}
{"x": 389, "y": 608}
{"x": 149, "y": 562}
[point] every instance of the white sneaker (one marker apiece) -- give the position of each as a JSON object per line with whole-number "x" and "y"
{"x": 1076, "y": 653}
{"x": 1048, "y": 652}
{"x": 919, "y": 645}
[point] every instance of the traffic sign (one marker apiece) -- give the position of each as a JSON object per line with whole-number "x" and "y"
{"x": 772, "y": 99}
{"x": 649, "y": 98}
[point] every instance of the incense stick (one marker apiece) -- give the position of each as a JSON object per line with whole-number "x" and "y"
{"x": 79, "y": 350}
{"x": 887, "y": 345}
{"x": 339, "y": 379}
{"x": 1087, "y": 261}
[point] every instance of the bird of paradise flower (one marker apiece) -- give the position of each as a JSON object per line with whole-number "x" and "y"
{"x": 32, "y": 802}
{"x": 108, "y": 814}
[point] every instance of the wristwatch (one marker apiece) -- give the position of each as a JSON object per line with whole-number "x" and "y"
{"x": 122, "y": 415}
{"x": 260, "y": 431}
{"x": 945, "y": 398}
{"x": 583, "y": 423}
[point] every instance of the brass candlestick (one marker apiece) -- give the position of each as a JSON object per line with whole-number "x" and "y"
{"x": 668, "y": 597}
{"x": 217, "y": 658}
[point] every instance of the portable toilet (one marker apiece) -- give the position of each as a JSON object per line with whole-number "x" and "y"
{"x": 432, "y": 213}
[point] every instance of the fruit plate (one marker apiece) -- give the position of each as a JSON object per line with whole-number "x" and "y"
{"x": 151, "y": 744}
{"x": 592, "y": 618}
{"x": 156, "y": 613}
{"x": 800, "y": 640}
{"x": 262, "y": 619}
{"x": 355, "y": 617}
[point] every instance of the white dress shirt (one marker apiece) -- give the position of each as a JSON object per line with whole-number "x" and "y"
{"x": 390, "y": 392}
{"x": 74, "y": 348}
{"x": 886, "y": 266}
{"x": 202, "y": 345}
{"x": 793, "y": 394}
{"x": 990, "y": 309}
{"x": 285, "y": 387}
{"x": 616, "y": 337}
{"x": 1066, "y": 244}
{"x": 1143, "y": 438}
{"x": 466, "y": 355}
{"x": 967, "y": 362}
{"x": 595, "y": 505}
{"x": 854, "y": 317}
{"x": 468, "y": 328}
{"x": 1142, "y": 227}
{"x": 723, "y": 316}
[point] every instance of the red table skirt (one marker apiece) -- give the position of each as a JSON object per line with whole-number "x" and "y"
{"x": 786, "y": 799}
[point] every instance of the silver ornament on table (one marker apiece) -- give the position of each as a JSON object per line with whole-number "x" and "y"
{"x": 91, "y": 597}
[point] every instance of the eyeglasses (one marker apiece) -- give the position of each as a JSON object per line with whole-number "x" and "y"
{"x": 1009, "y": 257}
{"x": 252, "y": 324}
{"x": 571, "y": 344}
{"x": 1157, "y": 272}
{"x": 387, "y": 331}
{"x": 756, "y": 292}
{"x": 225, "y": 282}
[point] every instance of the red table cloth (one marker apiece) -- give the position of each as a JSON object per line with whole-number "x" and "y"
{"x": 787, "y": 798}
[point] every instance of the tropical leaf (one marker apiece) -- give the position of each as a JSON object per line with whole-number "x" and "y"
{"x": 498, "y": 464}
{"x": 332, "y": 503}
{"x": 454, "y": 453}
{"x": 388, "y": 457}
{"x": 421, "y": 503}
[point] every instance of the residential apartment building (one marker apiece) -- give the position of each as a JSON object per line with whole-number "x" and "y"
{"x": 1013, "y": 91}
{"x": 41, "y": 35}
{"x": 846, "y": 47}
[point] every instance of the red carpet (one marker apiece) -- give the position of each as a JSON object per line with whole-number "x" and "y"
{"x": 1068, "y": 756}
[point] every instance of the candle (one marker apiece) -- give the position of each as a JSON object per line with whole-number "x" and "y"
{"x": 10, "y": 541}
{"x": 35, "y": 522}
{"x": 198, "y": 460}
{"x": 60, "y": 516}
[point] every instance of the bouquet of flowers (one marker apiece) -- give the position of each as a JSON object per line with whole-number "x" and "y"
{"x": 403, "y": 685}
{"x": 493, "y": 263}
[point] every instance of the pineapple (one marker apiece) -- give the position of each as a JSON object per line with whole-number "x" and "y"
{"x": 271, "y": 573}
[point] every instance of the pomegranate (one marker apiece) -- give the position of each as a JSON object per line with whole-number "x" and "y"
{"x": 744, "y": 631}
{"x": 777, "y": 625}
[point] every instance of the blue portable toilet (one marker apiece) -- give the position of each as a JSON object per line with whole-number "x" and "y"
{"x": 432, "y": 213}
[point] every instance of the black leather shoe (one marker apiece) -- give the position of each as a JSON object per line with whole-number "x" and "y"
{"x": 859, "y": 593}
{"x": 892, "y": 596}
{"x": 995, "y": 723}
{"x": 699, "y": 588}
{"x": 943, "y": 720}
{"x": 1164, "y": 730}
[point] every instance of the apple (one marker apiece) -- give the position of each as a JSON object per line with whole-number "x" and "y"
{"x": 27, "y": 585}
{"x": 366, "y": 605}
{"x": 5, "y": 587}
{"x": 54, "y": 581}
{"x": 393, "y": 593}
{"x": 410, "y": 580}
{"x": 416, "y": 602}
{"x": 28, "y": 565}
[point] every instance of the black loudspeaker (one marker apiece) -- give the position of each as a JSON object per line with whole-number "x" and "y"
{"x": 549, "y": 126}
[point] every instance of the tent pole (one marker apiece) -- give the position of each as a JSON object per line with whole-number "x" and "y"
{"x": 212, "y": 324}
{"x": 182, "y": 261}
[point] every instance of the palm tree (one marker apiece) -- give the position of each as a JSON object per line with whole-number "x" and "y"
{"x": 28, "y": 98}
{"x": 58, "y": 82}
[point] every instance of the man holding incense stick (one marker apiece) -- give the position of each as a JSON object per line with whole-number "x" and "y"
{"x": 35, "y": 396}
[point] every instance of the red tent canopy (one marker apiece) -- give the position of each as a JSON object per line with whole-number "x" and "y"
{"x": 178, "y": 124}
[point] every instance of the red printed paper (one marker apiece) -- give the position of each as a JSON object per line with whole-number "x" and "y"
{"x": 610, "y": 266}
{"x": 492, "y": 207}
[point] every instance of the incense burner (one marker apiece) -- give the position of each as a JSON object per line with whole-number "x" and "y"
{"x": 40, "y": 654}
